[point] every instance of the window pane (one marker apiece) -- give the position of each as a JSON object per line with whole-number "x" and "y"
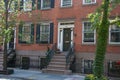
{"x": 88, "y": 33}
{"x": 67, "y": 3}
{"x": 26, "y": 31}
{"x": 87, "y": 26}
{"x": 44, "y": 37}
{"x": 88, "y": 66}
{"x": 44, "y": 33}
{"x": 89, "y": 1}
{"x": 46, "y": 4}
{"x": 115, "y": 34}
{"x": 27, "y": 4}
{"x": 88, "y": 37}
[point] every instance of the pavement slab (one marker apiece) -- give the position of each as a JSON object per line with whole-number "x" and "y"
{"x": 38, "y": 75}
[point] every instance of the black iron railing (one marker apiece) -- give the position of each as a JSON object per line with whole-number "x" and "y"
{"x": 11, "y": 58}
{"x": 70, "y": 56}
{"x": 50, "y": 53}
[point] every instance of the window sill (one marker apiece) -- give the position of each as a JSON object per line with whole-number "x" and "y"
{"x": 23, "y": 44}
{"x": 91, "y": 4}
{"x": 66, "y": 6}
{"x": 43, "y": 44}
{"x": 114, "y": 44}
{"x": 88, "y": 44}
{"x": 45, "y": 8}
{"x": 27, "y": 10}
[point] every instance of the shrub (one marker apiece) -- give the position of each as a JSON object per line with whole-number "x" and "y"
{"x": 92, "y": 77}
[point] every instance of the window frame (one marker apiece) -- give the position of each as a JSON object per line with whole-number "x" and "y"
{"x": 94, "y": 32}
{"x": 88, "y": 66}
{"x": 45, "y": 7}
{"x": 84, "y": 3}
{"x": 43, "y": 24}
{"x": 110, "y": 35}
{"x": 24, "y": 6}
{"x": 23, "y": 32}
{"x": 66, "y": 5}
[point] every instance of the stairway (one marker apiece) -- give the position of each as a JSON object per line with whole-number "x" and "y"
{"x": 57, "y": 65}
{"x": 1, "y": 60}
{"x": 2, "y": 71}
{"x": 11, "y": 58}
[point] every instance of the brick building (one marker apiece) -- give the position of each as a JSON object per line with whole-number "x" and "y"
{"x": 63, "y": 22}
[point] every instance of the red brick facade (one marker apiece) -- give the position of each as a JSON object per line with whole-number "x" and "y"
{"x": 77, "y": 13}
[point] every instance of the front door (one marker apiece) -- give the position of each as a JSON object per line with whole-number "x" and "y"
{"x": 66, "y": 38}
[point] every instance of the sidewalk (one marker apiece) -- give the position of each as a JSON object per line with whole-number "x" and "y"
{"x": 20, "y": 74}
{"x": 37, "y": 75}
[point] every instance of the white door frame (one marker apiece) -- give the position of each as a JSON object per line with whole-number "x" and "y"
{"x": 60, "y": 33}
{"x": 14, "y": 46}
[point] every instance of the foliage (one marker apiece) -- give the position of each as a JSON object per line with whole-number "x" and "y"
{"x": 101, "y": 22}
{"x": 8, "y": 16}
{"x": 92, "y": 77}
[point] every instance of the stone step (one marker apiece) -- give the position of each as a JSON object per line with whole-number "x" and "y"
{"x": 61, "y": 54}
{"x": 59, "y": 57}
{"x": 57, "y": 63}
{"x": 56, "y": 71}
{"x": 1, "y": 56}
{"x": 1, "y": 67}
{"x": 1, "y": 60}
{"x": 58, "y": 60}
{"x": 61, "y": 67}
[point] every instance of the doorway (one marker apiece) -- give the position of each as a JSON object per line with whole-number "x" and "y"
{"x": 65, "y": 36}
{"x": 66, "y": 39}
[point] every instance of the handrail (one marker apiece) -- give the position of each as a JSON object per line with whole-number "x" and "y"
{"x": 69, "y": 55}
{"x": 50, "y": 53}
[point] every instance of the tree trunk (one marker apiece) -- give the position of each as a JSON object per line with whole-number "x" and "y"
{"x": 102, "y": 37}
{"x": 5, "y": 37}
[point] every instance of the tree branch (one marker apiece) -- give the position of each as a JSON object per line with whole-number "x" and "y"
{"x": 9, "y": 5}
{"x": 115, "y": 21}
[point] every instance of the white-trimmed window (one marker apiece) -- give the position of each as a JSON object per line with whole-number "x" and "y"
{"x": 45, "y": 4}
{"x": 66, "y": 3}
{"x": 88, "y": 34}
{"x": 114, "y": 34}
{"x": 44, "y": 33}
{"x": 89, "y": 1}
{"x": 27, "y": 6}
{"x": 26, "y": 33}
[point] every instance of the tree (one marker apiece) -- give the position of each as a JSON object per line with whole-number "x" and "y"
{"x": 101, "y": 22}
{"x": 8, "y": 15}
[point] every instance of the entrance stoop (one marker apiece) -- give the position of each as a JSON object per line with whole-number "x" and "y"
{"x": 8, "y": 71}
{"x": 57, "y": 65}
